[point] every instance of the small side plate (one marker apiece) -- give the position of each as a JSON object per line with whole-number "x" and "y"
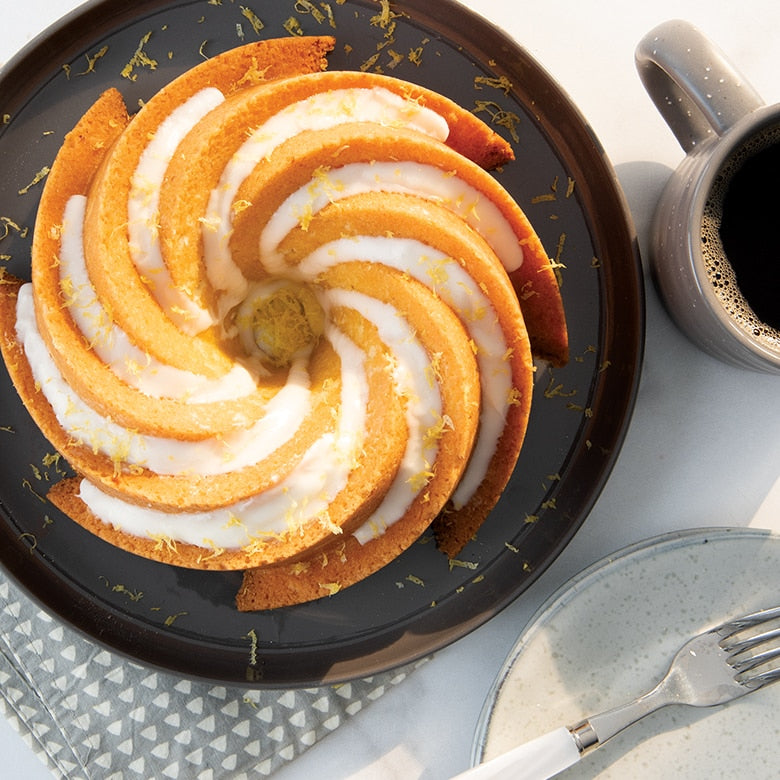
{"x": 609, "y": 635}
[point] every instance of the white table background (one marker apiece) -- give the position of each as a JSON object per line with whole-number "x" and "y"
{"x": 703, "y": 447}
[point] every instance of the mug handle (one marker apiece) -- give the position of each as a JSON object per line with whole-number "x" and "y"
{"x": 694, "y": 86}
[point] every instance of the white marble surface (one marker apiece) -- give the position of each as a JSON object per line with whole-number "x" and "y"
{"x": 702, "y": 448}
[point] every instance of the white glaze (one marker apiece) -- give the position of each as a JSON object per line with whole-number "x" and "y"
{"x": 423, "y": 404}
{"x": 302, "y": 497}
{"x": 143, "y": 211}
{"x": 425, "y": 181}
{"x": 305, "y": 494}
{"x": 112, "y": 345}
{"x": 463, "y": 295}
{"x": 318, "y": 112}
{"x": 83, "y": 424}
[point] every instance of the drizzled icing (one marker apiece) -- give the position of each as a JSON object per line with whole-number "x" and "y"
{"x": 112, "y": 345}
{"x": 423, "y": 405}
{"x": 462, "y": 294}
{"x": 162, "y": 455}
{"x": 142, "y": 211}
{"x": 413, "y": 178}
{"x": 303, "y": 495}
{"x": 317, "y": 112}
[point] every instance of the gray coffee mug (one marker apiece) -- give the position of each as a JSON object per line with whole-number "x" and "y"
{"x": 721, "y": 123}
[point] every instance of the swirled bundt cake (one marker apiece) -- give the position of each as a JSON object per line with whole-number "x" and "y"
{"x": 274, "y": 321}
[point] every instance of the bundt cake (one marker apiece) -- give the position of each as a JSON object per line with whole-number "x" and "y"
{"x": 274, "y": 321}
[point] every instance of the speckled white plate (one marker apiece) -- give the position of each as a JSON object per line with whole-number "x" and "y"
{"x": 610, "y": 634}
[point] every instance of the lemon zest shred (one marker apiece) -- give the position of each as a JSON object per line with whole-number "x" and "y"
{"x": 293, "y": 26}
{"x": 252, "y": 18}
{"x": 437, "y": 430}
{"x": 139, "y": 59}
{"x": 514, "y": 397}
{"x": 39, "y": 177}
{"x": 457, "y": 563}
{"x": 307, "y": 7}
{"x": 331, "y": 588}
{"x": 419, "y": 480}
{"x": 164, "y": 542}
{"x": 171, "y": 619}
{"x": 251, "y": 635}
{"x": 92, "y": 60}
{"x": 501, "y": 83}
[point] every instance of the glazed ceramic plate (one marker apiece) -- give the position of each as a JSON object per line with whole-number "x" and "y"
{"x": 609, "y": 636}
{"x": 186, "y": 621}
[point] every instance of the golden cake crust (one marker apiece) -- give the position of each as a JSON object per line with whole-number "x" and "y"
{"x": 106, "y": 245}
{"x": 368, "y": 480}
{"x": 321, "y": 555}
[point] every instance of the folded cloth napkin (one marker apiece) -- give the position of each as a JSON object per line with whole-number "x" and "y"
{"x": 90, "y": 714}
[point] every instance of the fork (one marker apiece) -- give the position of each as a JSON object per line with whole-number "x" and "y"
{"x": 715, "y": 667}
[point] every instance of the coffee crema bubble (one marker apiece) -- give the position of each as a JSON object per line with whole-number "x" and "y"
{"x": 738, "y": 241}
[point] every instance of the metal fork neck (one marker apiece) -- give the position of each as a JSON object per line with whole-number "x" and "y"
{"x": 597, "y": 729}
{"x": 584, "y": 736}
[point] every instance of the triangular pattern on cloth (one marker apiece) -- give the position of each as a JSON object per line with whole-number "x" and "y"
{"x": 88, "y": 713}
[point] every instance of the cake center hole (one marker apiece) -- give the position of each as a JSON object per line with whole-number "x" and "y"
{"x": 286, "y": 320}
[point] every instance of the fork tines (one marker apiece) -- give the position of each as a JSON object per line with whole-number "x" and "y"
{"x": 754, "y": 656}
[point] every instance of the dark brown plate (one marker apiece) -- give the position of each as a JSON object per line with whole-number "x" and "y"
{"x": 185, "y": 621}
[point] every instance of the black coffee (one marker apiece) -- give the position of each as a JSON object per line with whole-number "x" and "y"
{"x": 741, "y": 232}
{"x": 749, "y": 232}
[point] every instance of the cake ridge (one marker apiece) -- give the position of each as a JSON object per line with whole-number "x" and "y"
{"x": 283, "y": 332}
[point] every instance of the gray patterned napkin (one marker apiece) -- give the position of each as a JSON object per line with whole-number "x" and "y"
{"x": 91, "y": 714}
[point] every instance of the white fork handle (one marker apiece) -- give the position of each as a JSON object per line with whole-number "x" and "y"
{"x": 538, "y": 759}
